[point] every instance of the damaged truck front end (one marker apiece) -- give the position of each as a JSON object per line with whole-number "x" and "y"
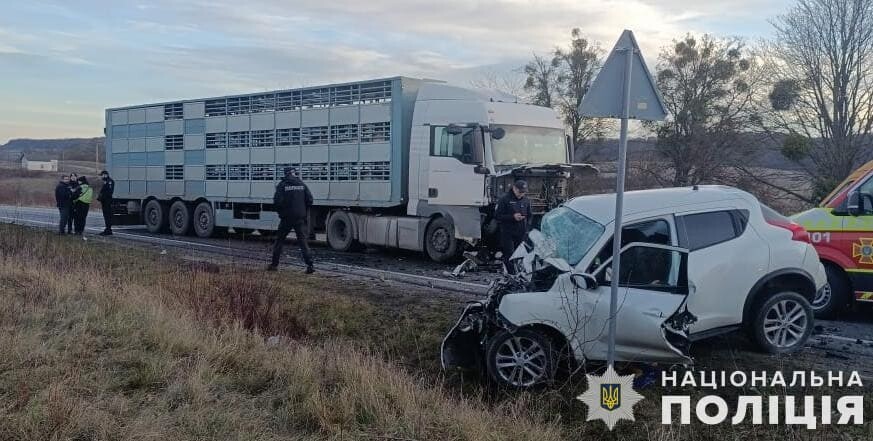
{"x": 571, "y": 311}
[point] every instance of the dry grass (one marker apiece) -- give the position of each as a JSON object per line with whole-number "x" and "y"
{"x": 104, "y": 343}
{"x": 90, "y": 353}
{"x": 27, "y": 188}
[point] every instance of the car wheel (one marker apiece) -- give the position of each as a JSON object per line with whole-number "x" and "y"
{"x": 783, "y": 323}
{"x": 440, "y": 242}
{"x": 521, "y": 359}
{"x": 831, "y": 300}
{"x": 180, "y": 218}
{"x": 155, "y": 217}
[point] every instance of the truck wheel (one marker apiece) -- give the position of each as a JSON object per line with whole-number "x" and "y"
{"x": 440, "y": 243}
{"x": 521, "y": 359}
{"x": 340, "y": 232}
{"x": 204, "y": 220}
{"x": 833, "y": 298}
{"x": 180, "y": 218}
{"x": 783, "y": 323}
{"x": 155, "y": 217}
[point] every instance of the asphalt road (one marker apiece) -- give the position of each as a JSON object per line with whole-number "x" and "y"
{"x": 852, "y": 334}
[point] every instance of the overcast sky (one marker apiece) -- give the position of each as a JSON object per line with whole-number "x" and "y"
{"x": 63, "y": 62}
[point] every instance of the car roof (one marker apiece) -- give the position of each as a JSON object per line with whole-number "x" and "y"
{"x": 601, "y": 207}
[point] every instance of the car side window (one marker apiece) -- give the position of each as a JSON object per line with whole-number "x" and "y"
{"x": 701, "y": 230}
{"x": 649, "y": 268}
{"x": 654, "y": 231}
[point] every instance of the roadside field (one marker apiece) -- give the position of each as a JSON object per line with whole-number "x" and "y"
{"x": 106, "y": 342}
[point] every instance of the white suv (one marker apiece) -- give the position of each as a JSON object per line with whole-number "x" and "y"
{"x": 696, "y": 262}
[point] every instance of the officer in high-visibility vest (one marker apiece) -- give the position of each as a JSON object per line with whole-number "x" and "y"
{"x": 83, "y": 203}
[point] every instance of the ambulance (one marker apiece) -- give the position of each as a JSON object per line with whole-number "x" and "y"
{"x": 841, "y": 229}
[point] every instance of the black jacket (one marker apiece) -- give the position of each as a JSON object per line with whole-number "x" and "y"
{"x": 507, "y": 206}
{"x": 106, "y": 191}
{"x": 292, "y": 199}
{"x": 63, "y": 195}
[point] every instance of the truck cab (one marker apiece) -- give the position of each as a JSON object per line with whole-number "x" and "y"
{"x": 466, "y": 149}
{"x": 841, "y": 229}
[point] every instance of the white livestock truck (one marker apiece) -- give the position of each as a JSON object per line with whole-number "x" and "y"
{"x": 398, "y": 162}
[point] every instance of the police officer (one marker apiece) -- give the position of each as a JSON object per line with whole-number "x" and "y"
{"x": 513, "y": 217}
{"x": 292, "y": 201}
{"x": 105, "y": 198}
{"x": 64, "y": 201}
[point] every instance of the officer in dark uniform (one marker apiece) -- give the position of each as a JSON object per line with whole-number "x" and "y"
{"x": 105, "y": 198}
{"x": 292, "y": 201}
{"x": 513, "y": 218}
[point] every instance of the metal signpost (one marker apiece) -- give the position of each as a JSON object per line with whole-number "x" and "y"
{"x": 623, "y": 89}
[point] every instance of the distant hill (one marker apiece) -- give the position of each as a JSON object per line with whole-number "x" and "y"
{"x": 72, "y": 149}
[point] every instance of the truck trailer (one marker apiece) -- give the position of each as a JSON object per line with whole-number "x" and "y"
{"x": 397, "y": 162}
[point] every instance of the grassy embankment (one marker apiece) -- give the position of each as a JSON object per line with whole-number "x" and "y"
{"x": 101, "y": 342}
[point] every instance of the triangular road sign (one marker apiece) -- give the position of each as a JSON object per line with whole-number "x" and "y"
{"x": 605, "y": 98}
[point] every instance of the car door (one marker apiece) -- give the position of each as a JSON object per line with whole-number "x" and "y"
{"x": 651, "y": 316}
{"x": 727, "y": 259}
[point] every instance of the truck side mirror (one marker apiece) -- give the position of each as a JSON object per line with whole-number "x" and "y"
{"x": 481, "y": 170}
{"x": 854, "y": 204}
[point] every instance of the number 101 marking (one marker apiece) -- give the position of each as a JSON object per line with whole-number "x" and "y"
{"x": 818, "y": 236}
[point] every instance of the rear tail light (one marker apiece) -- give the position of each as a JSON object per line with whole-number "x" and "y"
{"x": 797, "y": 231}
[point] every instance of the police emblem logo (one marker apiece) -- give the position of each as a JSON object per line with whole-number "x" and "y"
{"x": 610, "y": 396}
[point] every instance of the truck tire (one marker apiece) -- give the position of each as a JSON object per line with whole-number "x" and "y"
{"x": 204, "y": 220}
{"x": 340, "y": 231}
{"x": 783, "y": 323}
{"x": 835, "y": 295}
{"x": 440, "y": 243}
{"x": 180, "y": 218}
{"x": 155, "y": 216}
{"x": 520, "y": 360}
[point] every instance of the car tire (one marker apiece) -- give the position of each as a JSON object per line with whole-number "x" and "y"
{"x": 783, "y": 323}
{"x": 440, "y": 242}
{"x": 180, "y": 218}
{"x": 155, "y": 217}
{"x": 835, "y": 296}
{"x": 508, "y": 370}
{"x": 340, "y": 232}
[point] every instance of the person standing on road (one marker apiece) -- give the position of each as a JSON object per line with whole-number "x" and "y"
{"x": 74, "y": 193}
{"x": 82, "y": 204}
{"x": 513, "y": 218}
{"x": 292, "y": 201}
{"x": 64, "y": 201}
{"x": 105, "y": 198}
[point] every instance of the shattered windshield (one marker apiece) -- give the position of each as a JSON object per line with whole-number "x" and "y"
{"x": 529, "y": 145}
{"x": 570, "y": 233}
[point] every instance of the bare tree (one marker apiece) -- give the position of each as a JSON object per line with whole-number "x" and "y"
{"x": 708, "y": 86}
{"x": 821, "y": 101}
{"x": 510, "y": 83}
{"x": 577, "y": 67}
{"x": 562, "y": 81}
{"x": 542, "y": 80}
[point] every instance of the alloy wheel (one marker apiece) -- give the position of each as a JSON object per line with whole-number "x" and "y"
{"x": 521, "y": 361}
{"x": 785, "y": 323}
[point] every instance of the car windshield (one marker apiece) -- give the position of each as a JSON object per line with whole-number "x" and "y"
{"x": 570, "y": 233}
{"x": 529, "y": 145}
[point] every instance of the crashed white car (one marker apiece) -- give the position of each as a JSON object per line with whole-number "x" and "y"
{"x": 695, "y": 262}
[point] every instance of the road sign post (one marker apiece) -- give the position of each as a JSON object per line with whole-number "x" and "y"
{"x": 623, "y": 89}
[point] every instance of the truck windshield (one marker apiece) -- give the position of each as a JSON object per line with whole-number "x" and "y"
{"x": 529, "y": 145}
{"x": 570, "y": 233}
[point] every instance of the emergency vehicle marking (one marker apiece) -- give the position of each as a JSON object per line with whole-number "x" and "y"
{"x": 863, "y": 250}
